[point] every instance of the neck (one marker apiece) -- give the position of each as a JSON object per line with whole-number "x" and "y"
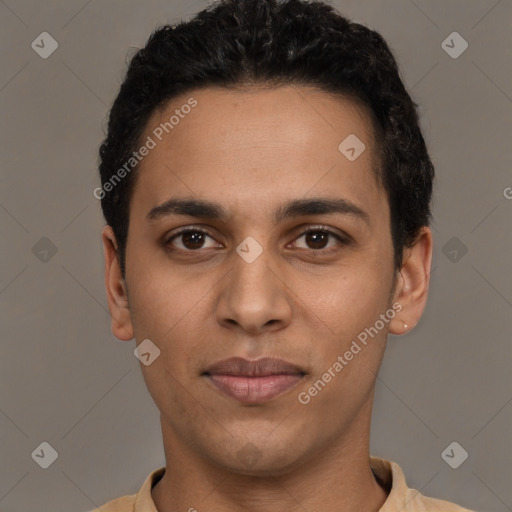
{"x": 339, "y": 477}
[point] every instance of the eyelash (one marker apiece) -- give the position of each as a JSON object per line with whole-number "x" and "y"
{"x": 343, "y": 239}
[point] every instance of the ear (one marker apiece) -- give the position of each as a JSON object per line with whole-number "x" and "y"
{"x": 117, "y": 296}
{"x": 412, "y": 283}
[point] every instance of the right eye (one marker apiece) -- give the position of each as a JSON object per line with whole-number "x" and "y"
{"x": 190, "y": 239}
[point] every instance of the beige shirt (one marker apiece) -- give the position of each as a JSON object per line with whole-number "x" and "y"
{"x": 390, "y": 476}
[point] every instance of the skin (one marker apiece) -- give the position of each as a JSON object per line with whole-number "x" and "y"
{"x": 252, "y": 151}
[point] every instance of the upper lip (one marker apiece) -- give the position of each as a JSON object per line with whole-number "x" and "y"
{"x": 238, "y": 366}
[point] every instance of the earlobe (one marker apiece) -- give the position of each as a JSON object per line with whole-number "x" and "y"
{"x": 413, "y": 282}
{"x": 115, "y": 286}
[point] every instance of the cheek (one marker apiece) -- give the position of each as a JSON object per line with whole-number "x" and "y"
{"x": 172, "y": 309}
{"x": 169, "y": 310}
{"x": 349, "y": 346}
{"x": 160, "y": 304}
{"x": 346, "y": 302}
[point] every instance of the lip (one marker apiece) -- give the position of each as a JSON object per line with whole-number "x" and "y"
{"x": 253, "y": 382}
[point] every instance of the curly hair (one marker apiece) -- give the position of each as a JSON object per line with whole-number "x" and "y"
{"x": 243, "y": 43}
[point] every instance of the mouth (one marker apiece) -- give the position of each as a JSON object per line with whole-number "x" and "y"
{"x": 253, "y": 382}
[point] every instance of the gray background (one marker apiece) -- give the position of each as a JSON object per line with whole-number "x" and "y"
{"x": 67, "y": 381}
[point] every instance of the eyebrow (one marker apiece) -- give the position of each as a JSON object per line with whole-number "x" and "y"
{"x": 296, "y": 208}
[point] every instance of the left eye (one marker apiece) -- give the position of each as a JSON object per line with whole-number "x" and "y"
{"x": 318, "y": 239}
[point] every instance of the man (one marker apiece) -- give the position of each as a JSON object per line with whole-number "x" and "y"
{"x": 267, "y": 192}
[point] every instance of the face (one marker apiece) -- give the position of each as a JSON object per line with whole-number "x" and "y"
{"x": 252, "y": 235}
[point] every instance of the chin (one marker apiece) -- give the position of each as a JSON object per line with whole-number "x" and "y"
{"x": 260, "y": 462}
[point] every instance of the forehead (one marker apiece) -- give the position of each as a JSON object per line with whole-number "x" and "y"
{"x": 298, "y": 115}
{"x": 258, "y": 141}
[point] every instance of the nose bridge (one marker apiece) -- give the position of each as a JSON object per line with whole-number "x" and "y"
{"x": 251, "y": 277}
{"x": 253, "y": 296}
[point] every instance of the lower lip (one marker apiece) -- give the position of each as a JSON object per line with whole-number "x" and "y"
{"x": 254, "y": 390}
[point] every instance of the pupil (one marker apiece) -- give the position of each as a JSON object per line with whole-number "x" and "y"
{"x": 317, "y": 238}
{"x": 194, "y": 238}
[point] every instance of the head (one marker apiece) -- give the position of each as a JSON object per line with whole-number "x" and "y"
{"x": 247, "y": 114}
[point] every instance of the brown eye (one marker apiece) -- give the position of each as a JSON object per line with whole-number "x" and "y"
{"x": 190, "y": 240}
{"x": 318, "y": 239}
{"x": 193, "y": 239}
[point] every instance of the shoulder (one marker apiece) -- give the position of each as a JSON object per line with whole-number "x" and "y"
{"x": 416, "y": 502}
{"x": 122, "y": 504}
{"x": 139, "y": 502}
{"x": 403, "y": 498}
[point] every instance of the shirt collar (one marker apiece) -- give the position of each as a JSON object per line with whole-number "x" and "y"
{"x": 143, "y": 500}
{"x": 391, "y": 478}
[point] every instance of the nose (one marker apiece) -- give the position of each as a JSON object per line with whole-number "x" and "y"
{"x": 254, "y": 296}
